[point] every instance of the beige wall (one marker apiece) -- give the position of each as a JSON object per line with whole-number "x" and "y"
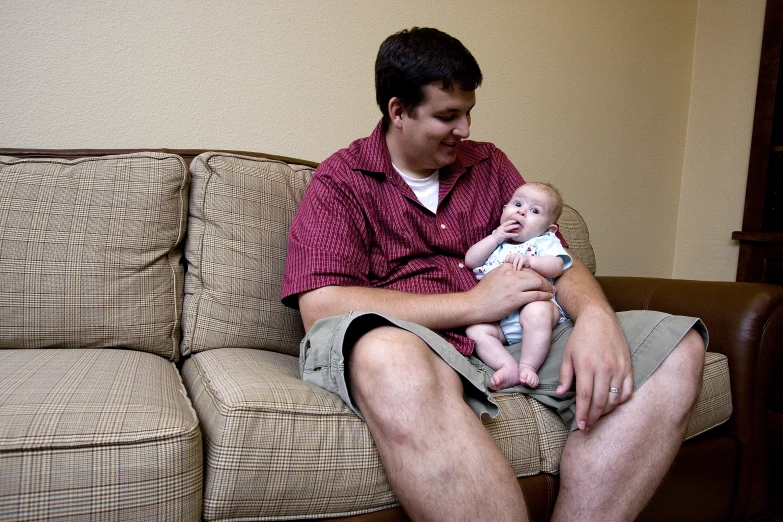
{"x": 616, "y": 102}
{"x": 720, "y": 124}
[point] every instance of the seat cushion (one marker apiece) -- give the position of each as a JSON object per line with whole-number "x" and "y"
{"x": 240, "y": 211}
{"x": 277, "y": 447}
{"x": 96, "y": 434}
{"x": 89, "y": 252}
{"x": 713, "y": 406}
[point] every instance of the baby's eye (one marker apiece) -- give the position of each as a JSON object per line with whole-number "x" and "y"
{"x": 517, "y": 204}
{"x": 534, "y": 211}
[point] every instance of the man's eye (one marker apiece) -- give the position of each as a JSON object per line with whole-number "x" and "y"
{"x": 445, "y": 118}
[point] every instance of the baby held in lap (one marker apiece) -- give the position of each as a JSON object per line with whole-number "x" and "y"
{"x": 525, "y": 239}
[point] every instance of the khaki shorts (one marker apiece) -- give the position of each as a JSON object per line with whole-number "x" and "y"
{"x": 651, "y": 337}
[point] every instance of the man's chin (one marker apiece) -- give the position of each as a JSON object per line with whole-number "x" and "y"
{"x": 447, "y": 158}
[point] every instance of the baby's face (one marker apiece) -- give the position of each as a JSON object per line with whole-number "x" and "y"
{"x": 532, "y": 210}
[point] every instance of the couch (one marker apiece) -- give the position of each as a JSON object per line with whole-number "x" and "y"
{"x": 148, "y": 370}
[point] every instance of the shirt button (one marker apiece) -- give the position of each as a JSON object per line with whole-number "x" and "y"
{"x": 443, "y": 225}
{"x": 461, "y": 265}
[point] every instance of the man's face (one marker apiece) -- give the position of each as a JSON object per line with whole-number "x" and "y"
{"x": 531, "y": 209}
{"x": 431, "y": 132}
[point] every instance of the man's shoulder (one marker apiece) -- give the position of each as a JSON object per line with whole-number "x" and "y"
{"x": 345, "y": 156}
{"x": 363, "y": 154}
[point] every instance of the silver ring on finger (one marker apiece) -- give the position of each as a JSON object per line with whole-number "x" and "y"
{"x": 614, "y": 390}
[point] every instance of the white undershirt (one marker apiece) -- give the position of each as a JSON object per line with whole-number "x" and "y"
{"x": 425, "y": 189}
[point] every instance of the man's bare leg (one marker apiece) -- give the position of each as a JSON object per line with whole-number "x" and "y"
{"x": 440, "y": 460}
{"x": 612, "y": 471}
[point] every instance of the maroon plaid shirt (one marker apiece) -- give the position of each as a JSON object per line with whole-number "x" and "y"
{"x": 360, "y": 224}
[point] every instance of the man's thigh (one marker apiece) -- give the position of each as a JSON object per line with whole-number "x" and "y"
{"x": 326, "y": 353}
{"x": 651, "y": 338}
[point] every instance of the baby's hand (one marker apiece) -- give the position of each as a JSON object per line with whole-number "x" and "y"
{"x": 505, "y": 231}
{"x": 518, "y": 261}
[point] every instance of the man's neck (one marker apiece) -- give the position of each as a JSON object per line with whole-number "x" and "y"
{"x": 400, "y": 160}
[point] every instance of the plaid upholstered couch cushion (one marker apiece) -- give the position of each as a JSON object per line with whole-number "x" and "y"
{"x": 96, "y": 434}
{"x": 276, "y": 447}
{"x": 240, "y": 212}
{"x": 89, "y": 252}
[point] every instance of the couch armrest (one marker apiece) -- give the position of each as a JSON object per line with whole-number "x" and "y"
{"x": 745, "y": 323}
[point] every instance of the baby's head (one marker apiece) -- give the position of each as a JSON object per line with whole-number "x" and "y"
{"x": 536, "y": 207}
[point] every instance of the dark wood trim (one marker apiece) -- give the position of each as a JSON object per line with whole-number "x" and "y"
{"x": 761, "y": 237}
{"x": 766, "y": 93}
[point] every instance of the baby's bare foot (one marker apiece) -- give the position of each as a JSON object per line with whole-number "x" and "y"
{"x": 528, "y": 376}
{"x": 505, "y": 377}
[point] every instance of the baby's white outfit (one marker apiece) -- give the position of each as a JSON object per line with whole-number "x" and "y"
{"x": 545, "y": 245}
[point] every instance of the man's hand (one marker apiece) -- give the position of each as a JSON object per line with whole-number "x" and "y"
{"x": 505, "y": 289}
{"x": 597, "y": 353}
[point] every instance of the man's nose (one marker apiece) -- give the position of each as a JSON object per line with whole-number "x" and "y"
{"x": 463, "y": 128}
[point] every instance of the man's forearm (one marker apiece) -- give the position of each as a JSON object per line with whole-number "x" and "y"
{"x": 578, "y": 291}
{"x": 499, "y": 293}
{"x": 435, "y": 311}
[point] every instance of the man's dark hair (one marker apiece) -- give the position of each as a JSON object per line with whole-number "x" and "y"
{"x": 410, "y": 59}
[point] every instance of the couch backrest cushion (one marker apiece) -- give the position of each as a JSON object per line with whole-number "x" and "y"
{"x": 240, "y": 211}
{"x": 89, "y": 252}
{"x": 574, "y": 230}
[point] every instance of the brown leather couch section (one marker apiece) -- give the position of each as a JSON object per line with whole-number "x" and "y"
{"x": 745, "y": 322}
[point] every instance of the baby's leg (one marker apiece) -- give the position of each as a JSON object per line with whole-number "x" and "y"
{"x": 489, "y": 340}
{"x": 537, "y": 320}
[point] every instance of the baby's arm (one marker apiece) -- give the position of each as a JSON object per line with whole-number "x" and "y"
{"x": 547, "y": 266}
{"x": 478, "y": 253}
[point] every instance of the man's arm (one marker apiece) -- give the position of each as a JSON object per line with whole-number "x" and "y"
{"x": 597, "y": 352}
{"x": 499, "y": 293}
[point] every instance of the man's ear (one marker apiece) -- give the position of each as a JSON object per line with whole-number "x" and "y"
{"x": 552, "y": 228}
{"x": 396, "y": 111}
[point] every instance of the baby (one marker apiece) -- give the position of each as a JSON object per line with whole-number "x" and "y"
{"x": 525, "y": 239}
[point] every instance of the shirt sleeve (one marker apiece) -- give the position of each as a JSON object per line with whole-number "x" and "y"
{"x": 328, "y": 240}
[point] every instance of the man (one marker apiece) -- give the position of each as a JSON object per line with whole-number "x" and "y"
{"x": 383, "y": 228}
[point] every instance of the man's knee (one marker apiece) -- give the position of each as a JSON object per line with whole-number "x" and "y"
{"x": 691, "y": 350}
{"x": 682, "y": 370}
